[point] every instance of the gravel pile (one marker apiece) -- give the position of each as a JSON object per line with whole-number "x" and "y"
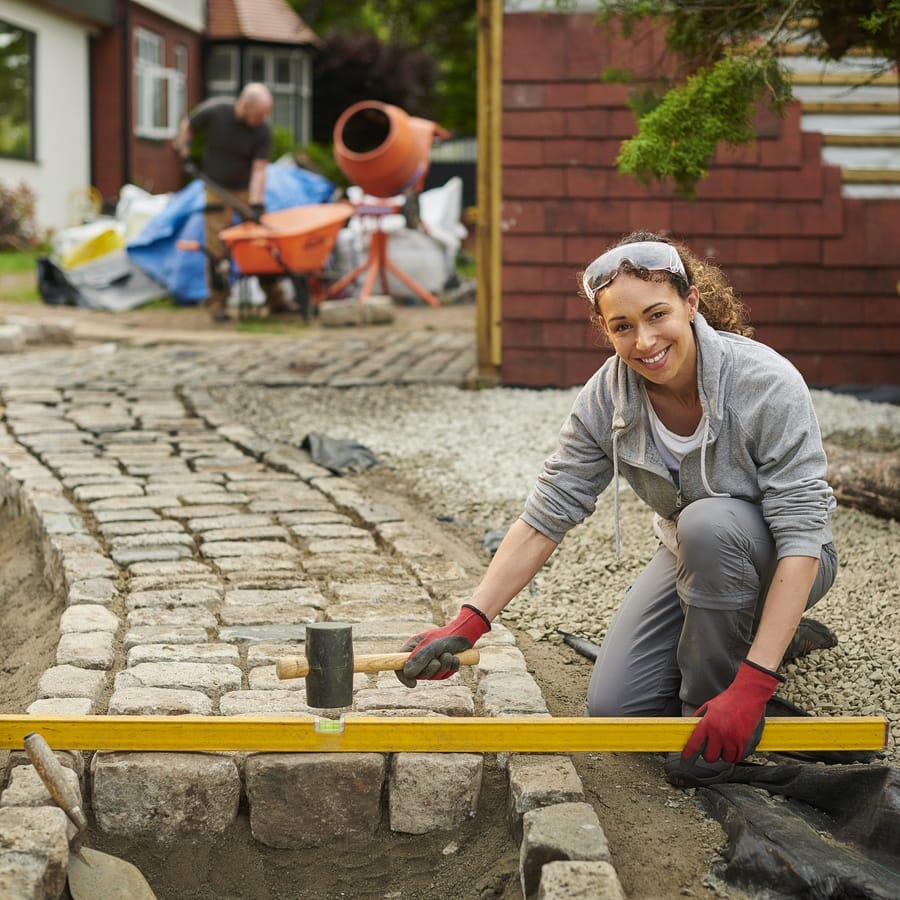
{"x": 471, "y": 457}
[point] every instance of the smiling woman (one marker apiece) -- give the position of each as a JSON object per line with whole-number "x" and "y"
{"x": 717, "y": 434}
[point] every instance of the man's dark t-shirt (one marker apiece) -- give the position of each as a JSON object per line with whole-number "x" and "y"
{"x": 231, "y": 146}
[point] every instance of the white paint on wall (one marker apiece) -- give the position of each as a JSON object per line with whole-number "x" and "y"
{"x": 61, "y": 107}
{"x": 187, "y": 13}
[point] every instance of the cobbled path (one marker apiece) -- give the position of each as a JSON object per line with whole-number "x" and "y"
{"x": 192, "y": 553}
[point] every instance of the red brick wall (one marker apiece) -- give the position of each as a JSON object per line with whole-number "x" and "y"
{"x": 819, "y": 272}
{"x": 152, "y": 164}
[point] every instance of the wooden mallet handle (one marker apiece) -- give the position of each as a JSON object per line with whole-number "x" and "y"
{"x": 298, "y": 667}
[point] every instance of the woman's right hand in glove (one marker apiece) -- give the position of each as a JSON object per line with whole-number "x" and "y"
{"x": 434, "y": 652}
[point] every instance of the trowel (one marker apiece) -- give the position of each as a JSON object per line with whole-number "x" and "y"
{"x": 92, "y": 874}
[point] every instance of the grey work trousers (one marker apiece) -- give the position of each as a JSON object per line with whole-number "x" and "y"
{"x": 688, "y": 620}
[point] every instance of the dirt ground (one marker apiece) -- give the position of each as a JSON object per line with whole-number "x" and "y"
{"x": 662, "y": 844}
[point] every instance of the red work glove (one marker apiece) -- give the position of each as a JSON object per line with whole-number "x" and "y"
{"x": 434, "y": 657}
{"x": 730, "y": 718}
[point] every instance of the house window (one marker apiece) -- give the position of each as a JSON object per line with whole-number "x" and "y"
{"x": 222, "y": 69}
{"x": 159, "y": 91}
{"x": 16, "y": 92}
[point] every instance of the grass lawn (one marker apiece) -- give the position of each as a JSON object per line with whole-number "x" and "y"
{"x": 14, "y": 261}
{"x": 18, "y": 265}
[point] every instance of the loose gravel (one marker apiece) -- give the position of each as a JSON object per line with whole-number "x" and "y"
{"x": 470, "y": 458}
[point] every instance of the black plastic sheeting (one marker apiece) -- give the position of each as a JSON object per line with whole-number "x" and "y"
{"x": 111, "y": 283}
{"x": 338, "y": 455}
{"x": 811, "y": 831}
{"x": 816, "y": 825}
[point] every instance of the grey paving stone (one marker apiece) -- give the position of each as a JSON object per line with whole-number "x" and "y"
{"x": 579, "y": 880}
{"x": 163, "y": 634}
{"x": 537, "y": 780}
{"x": 433, "y": 791}
{"x": 90, "y": 650}
{"x": 164, "y": 797}
{"x": 237, "y": 520}
{"x": 170, "y": 616}
{"x": 243, "y": 533}
{"x": 125, "y": 515}
{"x": 88, "y": 492}
{"x": 174, "y": 597}
{"x": 265, "y": 703}
{"x": 88, "y": 617}
{"x": 271, "y": 614}
{"x": 446, "y": 700}
{"x": 306, "y": 595}
{"x": 72, "y": 681}
{"x": 34, "y": 866}
{"x": 509, "y": 694}
{"x": 209, "y": 653}
{"x": 93, "y": 591}
{"x": 149, "y": 701}
{"x": 564, "y": 831}
{"x": 173, "y": 538}
{"x": 125, "y": 557}
{"x": 211, "y": 679}
{"x": 339, "y": 793}
{"x": 267, "y": 549}
{"x": 125, "y": 529}
{"x": 61, "y": 706}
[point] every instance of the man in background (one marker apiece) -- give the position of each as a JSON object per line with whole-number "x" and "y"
{"x": 235, "y": 156}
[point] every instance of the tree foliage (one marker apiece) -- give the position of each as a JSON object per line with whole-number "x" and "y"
{"x": 727, "y": 65}
{"x": 421, "y": 56}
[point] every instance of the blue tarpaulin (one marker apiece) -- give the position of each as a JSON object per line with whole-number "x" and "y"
{"x": 183, "y": 272}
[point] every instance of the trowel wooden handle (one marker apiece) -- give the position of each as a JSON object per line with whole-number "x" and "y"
{"x": 298, "y": 667}
{"x": 53, "y": 774}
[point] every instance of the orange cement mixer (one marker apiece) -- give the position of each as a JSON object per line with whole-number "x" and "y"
{"x": 383, "y": 149}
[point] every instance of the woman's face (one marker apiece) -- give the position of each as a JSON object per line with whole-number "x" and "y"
{"x": 649, "y": 327}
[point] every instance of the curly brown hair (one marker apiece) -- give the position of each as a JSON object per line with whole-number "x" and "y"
{"x": 719, "y": 304}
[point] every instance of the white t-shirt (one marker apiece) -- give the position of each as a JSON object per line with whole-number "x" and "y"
{"x": 672, "y": 448}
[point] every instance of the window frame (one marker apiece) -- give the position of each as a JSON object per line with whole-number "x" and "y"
{"x": 157, "y": 88}
{"x": 30, "y": 154}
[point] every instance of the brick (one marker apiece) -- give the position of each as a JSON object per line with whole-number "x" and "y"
{"x": 564, "y": 831}
{"x": 339, "y": 795}
{"x": 538, "y": 307}
{"x": 433, "y": 791}
{"x": 520, "y": 369}
{"x": 164, "y": 797}
{"x": 527, "y": 123}
{"x": 522, "y": 152}
{"x": 528, "y": 95}
{"x": 533, "y": 182}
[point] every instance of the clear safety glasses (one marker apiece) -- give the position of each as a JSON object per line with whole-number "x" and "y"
{"x": 655, "y": 256}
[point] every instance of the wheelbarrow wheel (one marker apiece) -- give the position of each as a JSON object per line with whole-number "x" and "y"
{"x": 302, "y": 295}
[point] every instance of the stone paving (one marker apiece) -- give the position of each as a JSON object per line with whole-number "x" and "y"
{"x": 192, "y": 553}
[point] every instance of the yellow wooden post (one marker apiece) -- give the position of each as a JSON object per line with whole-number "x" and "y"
{"x": 489, "y": 186}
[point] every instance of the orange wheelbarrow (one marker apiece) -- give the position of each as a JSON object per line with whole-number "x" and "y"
{"x": 295, "y": 242}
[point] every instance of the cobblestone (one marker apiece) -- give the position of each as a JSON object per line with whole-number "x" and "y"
{"x": 192, "y": 552}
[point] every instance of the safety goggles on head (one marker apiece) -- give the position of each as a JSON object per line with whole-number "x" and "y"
{"x": 655, "y": 256}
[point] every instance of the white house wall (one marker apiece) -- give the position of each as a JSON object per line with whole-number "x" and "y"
{"x": 61, "y": 105}
{"x": 187, "y": 13}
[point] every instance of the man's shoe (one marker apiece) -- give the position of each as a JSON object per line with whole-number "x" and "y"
{"x": 278, "y": 303}
{"x": 810, "y": 635}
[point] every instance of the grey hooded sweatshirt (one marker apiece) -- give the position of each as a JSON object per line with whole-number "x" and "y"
{"x": 761, "y": 443}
